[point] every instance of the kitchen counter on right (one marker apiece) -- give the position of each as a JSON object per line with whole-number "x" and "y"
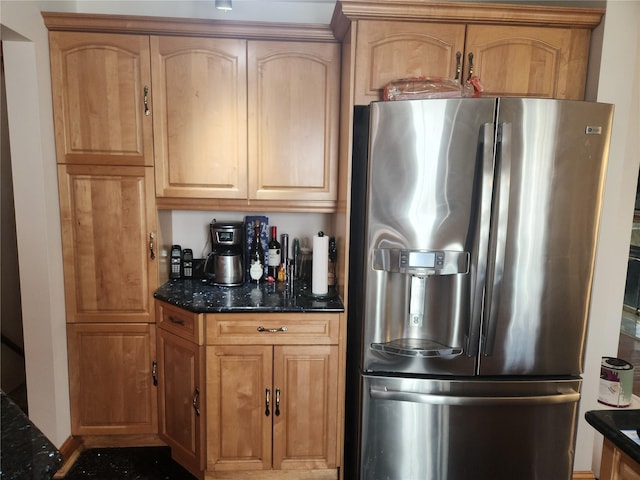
{"x": 613, "y": 423}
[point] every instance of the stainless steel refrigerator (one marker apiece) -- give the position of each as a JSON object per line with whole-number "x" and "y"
{"x": 474, "y": 226}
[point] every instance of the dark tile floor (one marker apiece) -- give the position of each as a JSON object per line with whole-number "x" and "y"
{"x": 140, "y": 463}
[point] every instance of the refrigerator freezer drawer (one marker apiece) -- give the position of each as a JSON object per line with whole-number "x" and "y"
{"x": 463, "y": 430}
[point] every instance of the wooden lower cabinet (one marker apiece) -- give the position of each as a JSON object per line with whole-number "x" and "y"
{"x": 617, "y": 465}
{"x": 181, "y": 394}
{"x": 111, "y": 378}
{"x": 250, "y": 395}
{"x": 272, "y": 407}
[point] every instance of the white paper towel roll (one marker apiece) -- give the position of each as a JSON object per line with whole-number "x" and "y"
{"x": 320, "y": 265}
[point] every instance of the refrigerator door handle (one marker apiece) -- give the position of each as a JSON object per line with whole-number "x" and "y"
{"x": 485, "y": 147}
{"x": 570, "y": 396}
{"x": 499, "y": 236}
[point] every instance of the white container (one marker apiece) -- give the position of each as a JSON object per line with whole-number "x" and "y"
{"x": 616, "y": 382}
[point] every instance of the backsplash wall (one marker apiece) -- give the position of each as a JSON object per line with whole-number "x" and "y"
{"x": 190, "y": 229}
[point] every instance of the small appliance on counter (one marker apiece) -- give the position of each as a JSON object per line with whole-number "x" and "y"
{"x": 225, "y": 265}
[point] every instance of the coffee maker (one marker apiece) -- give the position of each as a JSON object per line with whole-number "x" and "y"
{"x": 224, "y": 265}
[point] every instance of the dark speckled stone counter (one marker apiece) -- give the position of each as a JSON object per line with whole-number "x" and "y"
{"x": 199, "y": 296}
{"x": 610, "y": 424}
{"x": 26, "y": 453}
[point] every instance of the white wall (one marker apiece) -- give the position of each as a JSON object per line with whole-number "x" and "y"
{"x": 26, "y": 60}
{"x": 31, "y": 130}
{"x": 618, "y": 84}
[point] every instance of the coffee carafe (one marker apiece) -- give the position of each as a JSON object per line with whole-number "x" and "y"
{"x": 224, "y": 265}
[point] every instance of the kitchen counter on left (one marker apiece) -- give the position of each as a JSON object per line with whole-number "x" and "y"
{"x": 200, "y": 296}
{"x": 27, "y": 454}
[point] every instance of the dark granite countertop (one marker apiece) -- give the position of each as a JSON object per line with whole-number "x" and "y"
{"x": 26, "y": 453}
{"x": 200, "y": 296}
{"x": 610, "y": 424}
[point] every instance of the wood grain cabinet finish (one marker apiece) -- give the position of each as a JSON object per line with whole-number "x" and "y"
{"x": 389, "y": 50}
{"x": 200, "y": 116}
{"x": 617, "y": 465}
{"x": 101, "y": 85}
{"x": 509, "y": 60}
{"x": 111, "y": 378}
{"x": 293, "y": 95}
{"x": 108, "y": 222}
{"x": 272, "y": 408}
{"x": 240, "y": 121}
{"x": 272, "y": 396}
{"x": 529, "y": 61}
{"x": 181, "y": 385}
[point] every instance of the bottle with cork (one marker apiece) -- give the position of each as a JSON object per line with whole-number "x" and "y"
{"x": 274, "y": 254}
{"x": 256, "y": 255}
{"x": 331, "y": 264}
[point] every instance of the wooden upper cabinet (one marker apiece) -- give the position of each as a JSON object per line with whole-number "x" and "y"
{"x": 529, "y": 61}
{"x": 293, "y": 102}
{"x": 101, "y": 110}
{"x": 517, "y": 50}
{"x": 388, "y": 50}
{"x": 200, "y": 118}
{"x": 108, "y": 219}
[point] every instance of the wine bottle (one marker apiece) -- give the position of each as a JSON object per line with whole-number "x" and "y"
{"x": 274, "y": 254}
{"x": 256, "y": 255}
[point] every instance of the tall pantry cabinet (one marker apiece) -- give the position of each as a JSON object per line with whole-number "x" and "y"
{"x": 104, "y": 147}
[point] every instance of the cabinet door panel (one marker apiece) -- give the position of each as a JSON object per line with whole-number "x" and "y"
{"x": 107, "y": 216}
{"x": 200, "y": 117}
{"x": 293, "y": 133}
{"x": 394, "y": 50}
{"x": 98, "y": 83}
{"x": 305, "y": 431}
{"x": 238, "y": 430}
{"x": 529, "y": 61}
{"x": 110, "y": 379}
{"x": 181, "y": 390}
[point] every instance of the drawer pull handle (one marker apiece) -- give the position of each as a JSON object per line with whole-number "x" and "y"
{"x": 266, "y": 401}
{"x": 154, "y": 373}
{"x": 272, "y": 330}
{"x": 277, "y": 402}
{"x": 147, "y": 112}
{"x": 152, "y": 253}
{"x": 179, "y": 321}
{"x": 195, "y": 403}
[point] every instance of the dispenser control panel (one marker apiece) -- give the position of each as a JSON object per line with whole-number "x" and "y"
{"x": 419, "y": 259}
{"x": 421, "y": 262}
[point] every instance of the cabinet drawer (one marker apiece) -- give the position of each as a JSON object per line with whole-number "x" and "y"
{"x": 181, "y": 322}
{"x": 272, "y": 328}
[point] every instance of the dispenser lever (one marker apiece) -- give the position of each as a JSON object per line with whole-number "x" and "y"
{"x": 416, "y": 300}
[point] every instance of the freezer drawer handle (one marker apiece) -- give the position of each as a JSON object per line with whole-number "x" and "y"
{"x": 415, "y": 347}
{"x": 438, "y": 399}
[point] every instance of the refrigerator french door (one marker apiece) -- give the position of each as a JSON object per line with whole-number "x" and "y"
{"x": 474, "y": 228}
